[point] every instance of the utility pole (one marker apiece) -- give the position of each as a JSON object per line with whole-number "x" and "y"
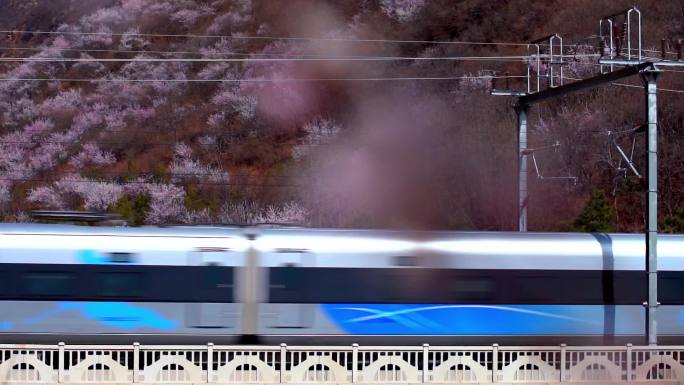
{"x": 523, "y": 195}
{"x": 650, "y": 78}
{"x": 521, "y": 110}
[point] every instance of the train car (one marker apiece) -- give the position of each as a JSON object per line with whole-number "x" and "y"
{"x": 315, "y": 286}
{"x": 453, "y": 288}
{"x": 98, "y": 284}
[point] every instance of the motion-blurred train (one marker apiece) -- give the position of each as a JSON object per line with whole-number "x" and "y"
{"x": 313, "y": 286}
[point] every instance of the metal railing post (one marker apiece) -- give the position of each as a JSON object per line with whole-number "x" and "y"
{"x": 426, "y": 358}
{"x": 629, "y": 362}
{"x": 210, "y": 361}
{"x": 355, "y": 361}
{"x": 563, "y": 361}
{"x": 528, "y": 69}
{"x": 495, "y": 362}
{"x": 283, "y": 363}
{"x": 60, "y": 359}
{"x": 136, "y": 360}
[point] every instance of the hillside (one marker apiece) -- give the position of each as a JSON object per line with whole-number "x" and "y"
{"x": 190, "y": 111}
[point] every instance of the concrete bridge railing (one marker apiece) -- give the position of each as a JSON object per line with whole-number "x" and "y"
{"x": 127, "y": 364}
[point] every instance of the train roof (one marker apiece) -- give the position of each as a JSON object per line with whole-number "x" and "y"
{"x": 158, "y": 231}
{"x": 215, "y": 231}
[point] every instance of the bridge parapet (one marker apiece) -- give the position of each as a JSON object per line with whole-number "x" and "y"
{"x": 127, "y": 364}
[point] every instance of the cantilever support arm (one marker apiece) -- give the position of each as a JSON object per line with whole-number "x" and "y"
{"x": 593, "y": 82}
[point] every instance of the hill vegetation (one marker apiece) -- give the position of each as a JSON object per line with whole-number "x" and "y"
{"x": 241, "y": 135}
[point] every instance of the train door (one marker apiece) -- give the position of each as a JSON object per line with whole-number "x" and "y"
{"x": 220, "y": 309}
{"x": 288, "y": 290}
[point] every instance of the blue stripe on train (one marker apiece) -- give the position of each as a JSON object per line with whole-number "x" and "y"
{"x": 120, "y": 315}
{"x": 436, "y": 319}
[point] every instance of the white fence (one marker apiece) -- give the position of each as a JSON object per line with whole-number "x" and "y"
{"x": 41, "y": 364}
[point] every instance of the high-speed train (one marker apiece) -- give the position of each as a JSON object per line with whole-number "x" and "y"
{"x": 270, "y": 285}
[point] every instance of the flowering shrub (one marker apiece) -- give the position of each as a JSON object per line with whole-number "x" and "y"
{"x": 401, "y": 10}
{"x": 46, "y": 197}
{"x": 94, "y": 195}
{"x": 131, "y": 40}
{"x": 184, "y": 168}
{"x": 5, "y": 195}
{"x": 91, "y": 154}
{"x": 318, "y": 132}
{"x": 97, "y": 196}
{"x": 249, "y": 212}
{"x": 166, "y": 204}
{"x": 88, "y": 69}
{"x": 106, "y": 18}
{"x": 289, "y": 213}
{"x": 582, "y": 64}
{"x": 481, "y": 81}
{"x": 243, "y": 106}
{"x": 66, "y": 102}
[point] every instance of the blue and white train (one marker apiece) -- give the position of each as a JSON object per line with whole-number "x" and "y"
{"x": 227, "y": 285}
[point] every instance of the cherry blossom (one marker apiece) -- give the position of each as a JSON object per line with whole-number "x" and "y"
{"x": 5, "y": 195}
{"x": 249, "y": 212}
{"x": 107, "y": 17}
{"x": 401, "y": 10}
{"x": 244, "y": 106}
{"x": 166, "y": 204}
{"x": 132, "y": 40}
{"x": 64, "y": 102}
{"x": 289, "y": 213}
{"x": 198, "y": 217}
{"x": 88, "y": 69}
{"x": 318, "y": 131}
{"x": 47, "y": 197}
{"x": 186, "y": 17}
{"x": 92, "y": 154}
{"x": 184, "y": 168}
{"x": 96, "y": 195}
{"x": 240, "y": 213}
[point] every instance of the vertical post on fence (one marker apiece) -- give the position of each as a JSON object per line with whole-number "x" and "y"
{"x": 355, "y": 361}
{"x": 629, "y": 362}
{"x": 426, "y": 360}
{"x": 136, "y": 360}
{"x": 563, "y": 361}
{"x": 495, "y": 361}
{"x": 210, "y": 361}
{"x": 60, "y": 359}
{"x": 283, "y": 362}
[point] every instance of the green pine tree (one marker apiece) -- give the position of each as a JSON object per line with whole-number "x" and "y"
{"x": 133, "y": 210}
{"x": 598, "y": 216}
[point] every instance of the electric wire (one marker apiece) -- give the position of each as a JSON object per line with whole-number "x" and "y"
{"x": 140, "y": 182}
{"x": 208, "y": 52}
{"x": 285, "y": 38}
{"x": 259, "y": 80}
{"x": 243, "y": 60}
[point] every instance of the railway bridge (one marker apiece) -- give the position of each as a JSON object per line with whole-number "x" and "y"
{"x": 214, "y": 364}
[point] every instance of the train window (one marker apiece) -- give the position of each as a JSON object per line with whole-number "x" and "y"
{"x": 405, "y": 260}
{"x": 671, "y": 287}
{"x": 120, "y": 284}
{"x": 218, "y": 279}
{"x": 542, "y": 288}
{"x": 292, "y": 277}
{"x": 52, "y": 284}
{"x": 559, "y": 287}
{"x": 119, "y": 257}
{"x": 473, "y": 285}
